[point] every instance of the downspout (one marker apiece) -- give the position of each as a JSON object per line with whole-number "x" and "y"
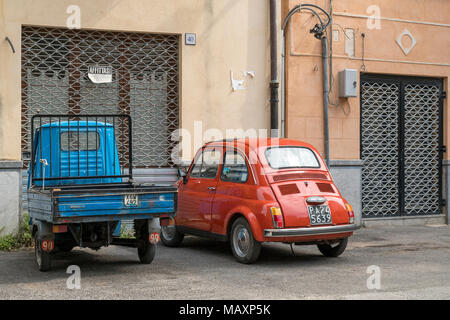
{"x": 325, "y": 99}
{"x": 283, "y": 103}
{"x": 273, "y": 71}
{"x": 318, "y": 32}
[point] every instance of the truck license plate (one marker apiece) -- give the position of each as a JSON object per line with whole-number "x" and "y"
{"x": 131, "y": 200}
{"x": 319, "y": 215}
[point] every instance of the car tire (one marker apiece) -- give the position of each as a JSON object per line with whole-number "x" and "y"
{"x": 170, "y": 237}
{"x": 243, "y": 245}
{"x": 43, "y": 259}
{"x": 333, "y": 250}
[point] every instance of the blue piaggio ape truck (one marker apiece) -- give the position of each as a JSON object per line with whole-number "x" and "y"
{"x": 80, "y": 187}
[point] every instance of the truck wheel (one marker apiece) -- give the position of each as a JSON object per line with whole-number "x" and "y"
{"x": 43, "y": 259}
{"x": 146, "y": 252}
{"x": 333, "y": 250}
{"x": 243, "y": 245}
{"x": 170, "y": 237}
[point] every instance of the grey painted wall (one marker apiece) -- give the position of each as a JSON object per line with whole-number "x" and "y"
{"x": 347, "y": 176}
{"x": 445, "y": 187}
{"x": 11, "y": 196}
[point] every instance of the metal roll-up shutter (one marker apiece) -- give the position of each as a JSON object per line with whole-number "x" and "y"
{"x": 145, "y": 82}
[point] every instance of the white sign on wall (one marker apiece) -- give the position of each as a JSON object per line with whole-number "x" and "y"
{"x": 98, "y": 74}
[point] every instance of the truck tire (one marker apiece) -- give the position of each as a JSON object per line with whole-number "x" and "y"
{"x": 333, "y": 250}
{"x": 146, "y": 252}
{"x": 43, "y": 259}
{"x": 170, "y": 237}
{"x": 243, "y": 245}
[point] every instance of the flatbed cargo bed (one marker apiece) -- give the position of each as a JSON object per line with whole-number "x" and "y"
{"x": 84, "y": 203}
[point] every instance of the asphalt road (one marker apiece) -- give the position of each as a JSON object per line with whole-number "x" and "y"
{"x": 414, "y": 264}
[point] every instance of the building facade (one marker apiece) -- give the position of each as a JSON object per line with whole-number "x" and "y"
{"x": 204, "y": 67}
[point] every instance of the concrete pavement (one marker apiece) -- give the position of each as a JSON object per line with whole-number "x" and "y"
{"x": 414, "y": 263}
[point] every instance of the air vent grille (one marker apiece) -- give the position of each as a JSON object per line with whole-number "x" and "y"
{"x": 288, "y": 189}
{"x": 325, "y": 187}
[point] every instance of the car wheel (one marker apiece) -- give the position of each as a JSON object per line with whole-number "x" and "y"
{"x": 170, "y": 237}
{"x": 243, "y": 245}
{"x": 333, "y": 250}
{"x": 43, "y": 259}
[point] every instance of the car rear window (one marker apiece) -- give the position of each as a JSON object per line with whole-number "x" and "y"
{"x": 291, "y": 157}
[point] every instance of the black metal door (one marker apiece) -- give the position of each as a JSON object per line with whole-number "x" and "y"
{"x": 401, "y": 146}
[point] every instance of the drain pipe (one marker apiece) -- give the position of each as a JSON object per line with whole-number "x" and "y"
{"x": 325, "y": 99}
{"x": 273, "y": 71}
{"x": 318, "y": 33}
{"x": 283, "y": 62}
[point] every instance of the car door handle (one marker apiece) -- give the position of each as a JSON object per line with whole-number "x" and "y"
{"x": 212, "y": 188}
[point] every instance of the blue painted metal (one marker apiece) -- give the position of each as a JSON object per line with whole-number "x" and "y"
{"x": 93, "y": 205}
{"x": 84, "y": 163}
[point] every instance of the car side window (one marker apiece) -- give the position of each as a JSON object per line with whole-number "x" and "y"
{"x": 234, "y": 168}
{"x": 207, "y": 164}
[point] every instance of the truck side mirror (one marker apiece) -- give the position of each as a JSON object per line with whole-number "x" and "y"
{"x": 182, "y": 173}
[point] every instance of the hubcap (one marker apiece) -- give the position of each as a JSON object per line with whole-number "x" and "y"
{"x": 241, "y": 241}
{"x": 168, "y": 232}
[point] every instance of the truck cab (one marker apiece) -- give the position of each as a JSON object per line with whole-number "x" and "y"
{"x": 75, "y": 149}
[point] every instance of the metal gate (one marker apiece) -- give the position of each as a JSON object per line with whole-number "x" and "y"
{"x": 401, "y": 146}
{"x": 144, "y": 85}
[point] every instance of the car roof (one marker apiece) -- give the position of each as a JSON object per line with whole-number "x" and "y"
{"x": 256, "y": 143}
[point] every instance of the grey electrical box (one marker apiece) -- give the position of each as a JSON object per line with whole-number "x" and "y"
{"x": 348, "y": 83}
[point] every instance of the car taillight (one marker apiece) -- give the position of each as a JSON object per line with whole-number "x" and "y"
{"x": 351, "y": 214}
{"x": 277, "y": 217}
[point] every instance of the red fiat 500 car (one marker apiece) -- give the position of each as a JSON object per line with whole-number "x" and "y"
{"x": 249, "y": 191}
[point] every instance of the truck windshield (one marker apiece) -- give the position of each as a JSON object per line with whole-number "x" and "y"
{"x": 80, "y": 141}
{"x": 291, "y": 157}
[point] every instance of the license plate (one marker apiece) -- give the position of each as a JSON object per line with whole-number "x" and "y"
{"x": 131, "y": 200}
{"x": 319, "y": 215}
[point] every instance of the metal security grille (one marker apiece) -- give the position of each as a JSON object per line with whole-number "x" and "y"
{"x": 401, "y": 139}
{"x": 379, "y": 148}
{"x": 421, "y": 149}
{"x": 144, "y": 84}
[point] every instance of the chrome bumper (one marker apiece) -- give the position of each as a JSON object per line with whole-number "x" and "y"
{"x": 310, "y": 231}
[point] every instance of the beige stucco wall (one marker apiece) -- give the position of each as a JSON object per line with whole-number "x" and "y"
{"x": 231, "y": 36}
{"x": 430, "y": 57}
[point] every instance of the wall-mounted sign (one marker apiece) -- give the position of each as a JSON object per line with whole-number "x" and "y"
{"x": 190, "y": 39}
{"x": 99, "y": 74}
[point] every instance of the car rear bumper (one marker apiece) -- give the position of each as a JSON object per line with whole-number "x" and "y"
{"x": 310, "y": 231}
